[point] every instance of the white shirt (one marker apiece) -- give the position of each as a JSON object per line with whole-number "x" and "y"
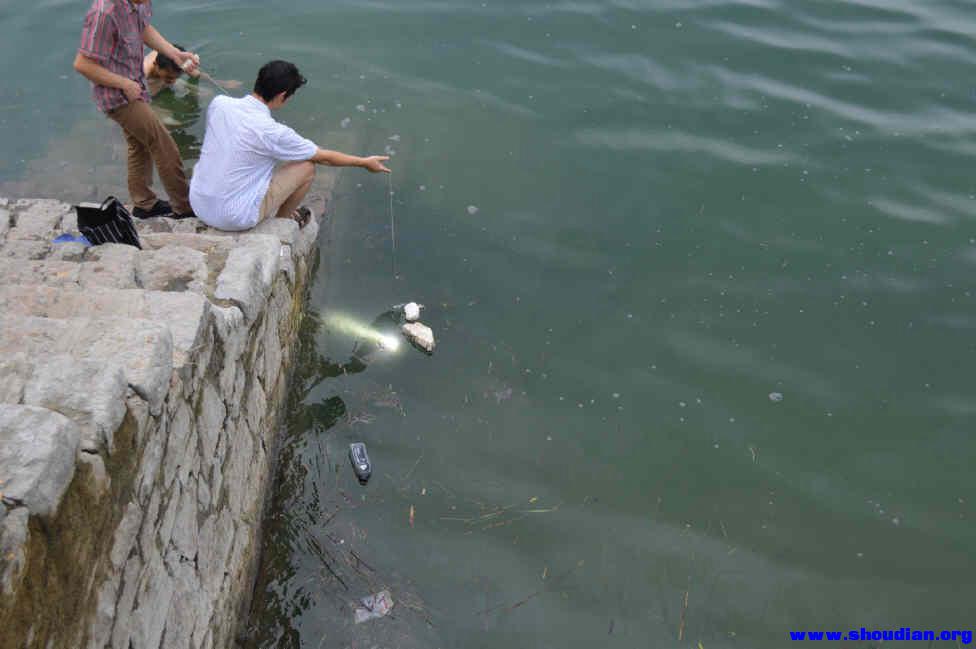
{"x": 240, "y": 148}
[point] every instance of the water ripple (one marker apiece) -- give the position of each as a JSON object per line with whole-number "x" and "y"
{"x": 679, "y": 142}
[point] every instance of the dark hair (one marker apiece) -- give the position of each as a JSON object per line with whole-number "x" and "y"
{"x": 276, "y": 77}
{"x": 167, "y": 63}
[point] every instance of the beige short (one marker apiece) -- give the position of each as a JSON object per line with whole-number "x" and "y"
{"x": 286, "y": 179}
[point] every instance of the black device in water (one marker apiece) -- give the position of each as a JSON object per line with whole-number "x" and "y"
{"x": 360, "y": 462}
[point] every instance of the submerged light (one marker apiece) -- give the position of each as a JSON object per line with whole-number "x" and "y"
{"x": 349, "y": 325}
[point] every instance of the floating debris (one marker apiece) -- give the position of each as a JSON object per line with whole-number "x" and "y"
{"x": 420, "y": 335}
{"x": 361, "y": 108}
{"x": 374, "y": 606}
{"x": 394, "y": 138}
{"x": 472, "y": 209}
{"x": 411, "y": 311}
{"x": 345, "y": 122}
{"x": 360, "y": 462}
{"x": 775, "y": 397}
{"x": 502, "y": 395}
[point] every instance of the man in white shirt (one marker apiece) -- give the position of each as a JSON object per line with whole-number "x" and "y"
{"x": 235, "y": 184}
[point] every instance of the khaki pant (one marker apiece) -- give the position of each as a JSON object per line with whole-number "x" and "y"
{"x": 284, "y": 182}
{"x": 149, "y": 142}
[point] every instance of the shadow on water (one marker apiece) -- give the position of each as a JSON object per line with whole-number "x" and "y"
{"x": 315, "y": 565}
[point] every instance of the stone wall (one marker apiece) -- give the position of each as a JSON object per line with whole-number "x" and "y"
{"x": 140, "y": 397}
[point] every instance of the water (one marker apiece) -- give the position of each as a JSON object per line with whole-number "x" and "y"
{"x": 681, "y": 210}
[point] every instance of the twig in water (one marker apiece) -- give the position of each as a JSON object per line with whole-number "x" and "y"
{"x": 313, "y": 545}
{"x": 410, "y": 472}
{"x": 684, "y": 609}
{"x": 359, "y": 560}
{"x": 532, "y": 596}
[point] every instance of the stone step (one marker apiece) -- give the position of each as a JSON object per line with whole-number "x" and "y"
{"x": 39, "y": 219}
{"x": 108, "y": 266}
{"x": 184, "y": 314}
{"x": 37, "y": 457}
{"x": 89, "y": 393}
{"x": 142, "y": 348}
{"x": 173, "y": 268}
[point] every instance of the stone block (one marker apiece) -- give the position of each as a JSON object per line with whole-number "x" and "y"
{"x": 216, "y": 539}
{"x": 288, "y": 263}
{"x": 125, "y": 535}
{"x": 210, "y": 421}
{"x": 25, "y": 249}
{"x": 38, "y": 219}
{"x": 216, "y": 483}
{"x": 185, "y": 534}
{"x": 286, "y": 231}
{"x": 111, "y": 265}
{"x": 172, "y": 268}
{"x": 124, "y": 622}
{"x": 15, "y": 371}
{"x": 14, "y": 534}
{"x": 154, "y": 225}
{"x": 63, "y": 274}
{"x": 90, "y": 393}
{"x": 168, "y": 519}
{"x": 203, "y": 494}
{"x": 188, "y": 226}
{"x": 150, "y": 524}
{"x": 190, "y": 607}
{"x": 241, "y": 463}
{"x": 143, "y": 349}
{"x": 307, "y": 238}
{"x": 180, "y": 430}
{"x": 248, "y": 275}
{"x": 139, "y": 410}
{"x": 257, "y": 407}
{"x": 155, "y": 596}
{"x": 100, "y": 480}
{"x": 100, "y": 633}
{"x": 203, "y": 242}
{"x": 38, "y": 449}
{"x": 5, "y": 222}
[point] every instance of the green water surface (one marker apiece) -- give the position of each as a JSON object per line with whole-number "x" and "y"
{"x": 701, "y": 278}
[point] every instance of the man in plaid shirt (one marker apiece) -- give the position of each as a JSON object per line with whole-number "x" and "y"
{"x": 110, "y": 56}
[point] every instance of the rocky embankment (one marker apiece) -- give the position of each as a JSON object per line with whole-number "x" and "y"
{"x": 140, "y": 397}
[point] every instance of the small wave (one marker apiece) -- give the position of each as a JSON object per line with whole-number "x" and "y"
{"x": 910, "y": 213}
{"x": 679, "y": 142}
{"x": 529, "y": 56}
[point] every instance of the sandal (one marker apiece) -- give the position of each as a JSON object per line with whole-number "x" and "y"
{"x": 301, "y": 216}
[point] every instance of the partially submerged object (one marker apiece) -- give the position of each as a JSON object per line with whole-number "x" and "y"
{"x": 360, "y": 462}
{"x": 411, "y": 311}
{"x": 420, "y": 335}
{"x": 374, "y": 606}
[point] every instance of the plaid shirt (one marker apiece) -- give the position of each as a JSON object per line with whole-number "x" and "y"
{"x": 112, "y": 37}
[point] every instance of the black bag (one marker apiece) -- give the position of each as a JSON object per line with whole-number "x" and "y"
{"x": 108, "y": 222}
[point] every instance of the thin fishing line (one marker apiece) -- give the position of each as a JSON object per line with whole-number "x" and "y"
{"x": 213, "y": 81}
{"x": 389, "y": 178}
{"x": 206, "y": 76}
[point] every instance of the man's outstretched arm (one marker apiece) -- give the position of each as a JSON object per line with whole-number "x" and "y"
{"x": 373, "y": 163}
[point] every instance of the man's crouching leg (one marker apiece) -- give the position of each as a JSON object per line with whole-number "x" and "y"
{"x": 289, "y": 185}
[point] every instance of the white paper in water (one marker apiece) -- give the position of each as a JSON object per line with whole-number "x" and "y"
{"x": 374, "y": 606}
